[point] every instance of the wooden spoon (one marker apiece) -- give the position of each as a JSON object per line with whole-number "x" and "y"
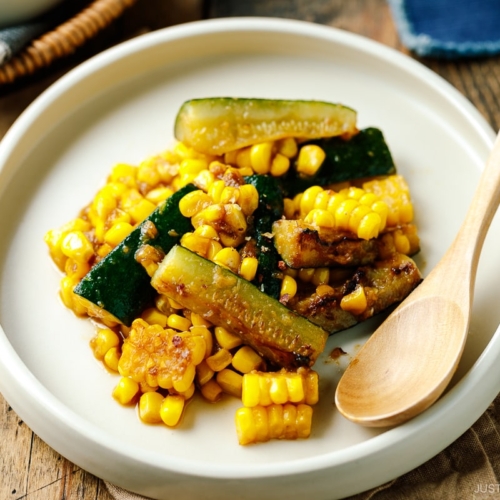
{"x": 409, "y": 360}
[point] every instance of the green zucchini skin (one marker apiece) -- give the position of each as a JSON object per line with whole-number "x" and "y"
{"x": 282, "y": 336}
{"x": 118, "y": 283}
{"x": 365, "y": 154}
{"x": 270, "y": 209}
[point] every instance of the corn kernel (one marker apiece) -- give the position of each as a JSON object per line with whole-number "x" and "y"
{"x": 288, "y": 147}
{"x": 248, "y": 268}
{"x": 321, "y": 218}
{"x": 140, "y": 210}
{"x": 214, "y": 247}
{"x": 104, "y": 340}
{"x": 194, "y": 202}
{"x": 243, "y": 158}
{"x": 204, "y": 180}
{"x": 401, "y": 242}
{"x": 117, "y": 233}
{"x": 311, "y": 157}
{"x": 148, "y": 174}
{"x": 355, "y": 302}
{"x": 206, "y": 231}
{"x": 159, "y": 194}
{"x": 123, "y": 173}
{"x": 245, "y": 427}
{"x": 229, "y": 194}
{"x": 303, "y": 421}
{"x": 290, "y": 421}
{"x": 321, "y": 276}
{"x": 230, "y": 382}
{"x": 211, "y": 391}
{"x": 193, "y": 166}
{"x": 226, "y": 339}
{"x": 112, "y": 358}
{"x": 171, "y": 409}
{"x": 369, "y": 226}
{"x": 246, "y": 360}
{"x": 178, "y": 322}
{"x": 149, "y": 407}
{"x": 203, "y": 373}
{"x": 306, "y": 274}
{"x": 76, "y": 246}
{"x": 308, "y": 199}
{"x": 198, "y": 320}
{"x": 276, "y": 421}
{"x": 248, "y": 199}
{"x": 104, "y": 203}
{"x": 279, "y": 165}
{"x": 229, "y": 258}
{"x": 261, "y": 423}
{"x": 182, "y": 384}
{"x": 260, "y": 157}
{"x": 220, "y": 360}
{"x": 288, "y": 287}
{"x": 251, "y": 390}
{"x": 153, "y": 316}
{"x": 323, "y": 290}
{"x": 196, "y": 243}
{"x": 289, "y": 208}
{"x": 126, "y": 390}
{"x": 230, "y": 157}
{"x": 75, "y": 268}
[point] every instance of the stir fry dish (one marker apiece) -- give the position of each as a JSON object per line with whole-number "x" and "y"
{"x": 219, "y": 268}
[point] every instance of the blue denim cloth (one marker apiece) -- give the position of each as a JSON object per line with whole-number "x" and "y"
{"x": 448, "y": 28}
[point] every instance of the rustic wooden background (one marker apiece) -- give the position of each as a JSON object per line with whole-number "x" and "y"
{"x": 29, "y": 469}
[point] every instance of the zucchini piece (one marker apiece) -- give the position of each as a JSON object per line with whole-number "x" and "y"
{"x": 302, "y": 245}
{"x": 282, "y": 336}
{"x": 118, "y": 283}
{"x": 269, "y": 210}
{"x": 365, "y": 154}
{"x": 220, "y": 124}
{"x": 386, "y": 282}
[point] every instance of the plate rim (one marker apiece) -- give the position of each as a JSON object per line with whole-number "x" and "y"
{"x": 11, "y": 363}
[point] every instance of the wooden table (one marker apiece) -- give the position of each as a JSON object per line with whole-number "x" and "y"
{"x": 29, "y": 469}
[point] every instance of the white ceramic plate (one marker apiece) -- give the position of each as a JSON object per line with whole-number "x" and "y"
{"x": 120, "y": 107}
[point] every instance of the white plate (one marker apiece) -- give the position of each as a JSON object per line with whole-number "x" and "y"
{"x": 119, "y": 107}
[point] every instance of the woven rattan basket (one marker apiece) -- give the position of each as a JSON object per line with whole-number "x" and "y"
{"x": 64, "y": 39}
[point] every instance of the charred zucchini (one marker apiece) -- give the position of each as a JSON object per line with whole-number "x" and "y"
{"x": 384, "y": 283}
{"x": 118, "y": 283}
{"x": 220, "y": 124}
{"x": 365, "y": 154}
{"x": 302, "y": 245}
{"x": 223, "y": 298}
{"x": 269, "y": 210}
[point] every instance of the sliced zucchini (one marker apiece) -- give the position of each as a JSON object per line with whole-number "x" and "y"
{"x": 365, "y": 154}
{"x": 118, "y": 283}
{"x": 221, "y": 124}
{"x": 269, "y": 210}
{"x": 223, "y": 298}
{"x": 302, "y": 245}
{"x": 385, "y": 282}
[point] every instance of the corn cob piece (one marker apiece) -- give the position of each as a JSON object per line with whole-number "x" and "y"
{"x": 265, "y": 388}
{"x": 260, "y": 423}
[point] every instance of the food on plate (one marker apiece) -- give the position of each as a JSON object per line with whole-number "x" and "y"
{"x": 219, "y": 267}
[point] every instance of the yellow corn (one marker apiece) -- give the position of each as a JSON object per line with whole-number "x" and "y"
{"x": 104, "y": 340}
{"x": 150, "y": 406}
{"x": 288, "y": 287}
{"x": 349, "y": 210}
{"x": 246, "y": 360}
{"x": 140, "y": 210}
{"x": 289, "y": 208}
{"x": 124, "y": 174}
{"x": 171, "y": 409}
{"x": 213, "y": 213}
{"x": 355, "y": 302}
{"x": 196, "y": 243}
{"x": 230, "y": 382}
{"x": 248, "y": 268}
{"x": 248, "y": 199}
{"x": 279, "y": 165}
{"x": 214, "y": 247}
{"x": 194, "y": 202}
{"x": 280, "y": 387}
{"x": 259, "y": 424}
{"x": 203, "y": 331}
{"x": 220, "y": 360}
{"x": 287, "y": 147}
{"x": 206, "y": 231}
{"x": 311, "y": 157}
{"x": 321, "y": 276}
{"x": 306, "y": 274}
{"x": 260, "y": 157}
{"x": 394, "y": 191}
{"x": 117, "y": 233}
{"x": 229, "y": 258}
{"x": 112, "y": 358}
{"x": 126, "y": 391}
{"x": 192, "y": 166}
{"x": 148, "y": 174}
{"x": 211, "y": 391}
{"x": 204, "y": 180}
{"x": 153, "y": 316}
{"x": 75, "y": 268}
{"x": 159, "y": 194}
{"x": 178, "y": 322}
{"x": 76, "y": 246}
{"x": 226, "y": 339}
{"x": 203, "y": 373}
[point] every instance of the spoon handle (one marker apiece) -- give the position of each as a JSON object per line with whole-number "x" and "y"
{"x": 470, "y": 238}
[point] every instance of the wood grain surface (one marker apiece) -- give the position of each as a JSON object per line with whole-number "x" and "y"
{"x": 29, "y": 469}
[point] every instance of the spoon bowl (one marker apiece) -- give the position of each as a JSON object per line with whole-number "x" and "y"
{"x": 410, "y": 359}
